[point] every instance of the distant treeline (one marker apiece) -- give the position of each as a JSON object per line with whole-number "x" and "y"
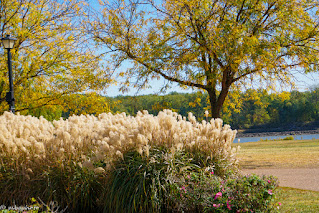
{"x": 242, "y": 110}
{"x": 249, "y": 109}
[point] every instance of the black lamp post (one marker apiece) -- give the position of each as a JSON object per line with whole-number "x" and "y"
{"x": 8, "y": 43}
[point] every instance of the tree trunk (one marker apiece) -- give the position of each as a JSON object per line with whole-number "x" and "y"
{"x": 216, "y": 103}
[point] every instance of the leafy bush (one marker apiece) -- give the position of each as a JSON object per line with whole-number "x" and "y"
{"x": 288, "y": 138}
{"x": 203, "y": 192}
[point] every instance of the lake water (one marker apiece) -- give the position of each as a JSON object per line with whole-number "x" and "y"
{"x": 296, "y": 137}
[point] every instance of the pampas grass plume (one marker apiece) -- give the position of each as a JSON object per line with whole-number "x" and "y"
{"x": 88, "y": 138}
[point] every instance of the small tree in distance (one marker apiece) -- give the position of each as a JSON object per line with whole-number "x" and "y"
{"x": 212, "y": 45}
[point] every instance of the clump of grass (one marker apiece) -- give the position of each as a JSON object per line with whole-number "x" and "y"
{"x": 288, "y": 138}
{"x": 142, "y": 184}
{"x": 119, "y": 163}
{"x": 67, "y": 160}
{"x": 72, "y": 187}
{"x": 297, "y": 200}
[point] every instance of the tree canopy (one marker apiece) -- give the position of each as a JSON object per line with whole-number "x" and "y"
{"x": 212, "y": 45}
{"x": 51, "y": 58}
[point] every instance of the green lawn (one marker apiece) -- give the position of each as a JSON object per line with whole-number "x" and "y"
{"x": 296, "y": 200}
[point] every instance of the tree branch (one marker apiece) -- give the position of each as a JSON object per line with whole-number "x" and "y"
{"x": 240, "y": 11}
{"x": 187, "y": 83}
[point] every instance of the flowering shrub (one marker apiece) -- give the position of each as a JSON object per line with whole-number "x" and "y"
{"x": 204, "y": 192}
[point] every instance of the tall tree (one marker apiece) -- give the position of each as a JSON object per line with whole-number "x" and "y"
{"x": 213, "y": 45}
{"x": 51, "y": 58}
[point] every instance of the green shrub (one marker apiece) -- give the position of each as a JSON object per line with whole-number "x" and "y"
{"x": 202, "y": 192}
{"x": 288, "y": 138}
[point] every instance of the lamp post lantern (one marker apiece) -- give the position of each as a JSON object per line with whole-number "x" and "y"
{"x": 8, "y": 43}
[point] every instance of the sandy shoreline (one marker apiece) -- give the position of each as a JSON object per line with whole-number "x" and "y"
{"x": 243, "y": 134}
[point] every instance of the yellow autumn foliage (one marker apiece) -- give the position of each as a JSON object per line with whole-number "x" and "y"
{"x": 51, "y": 57}
{"x": 217, "y": 46}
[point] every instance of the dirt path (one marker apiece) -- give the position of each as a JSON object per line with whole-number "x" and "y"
{"x": 300, "y": 178}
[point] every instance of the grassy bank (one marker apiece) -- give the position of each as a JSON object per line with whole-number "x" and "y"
{"x": 279, "y": 154}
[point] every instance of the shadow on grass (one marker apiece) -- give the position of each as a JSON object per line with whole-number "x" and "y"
{"x": 247, "y": 164}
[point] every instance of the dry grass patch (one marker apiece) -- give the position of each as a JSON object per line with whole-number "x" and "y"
{"x": 279, "y": 154}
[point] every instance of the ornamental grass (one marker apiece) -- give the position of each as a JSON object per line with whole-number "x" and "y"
{"x": 76, "y": 161}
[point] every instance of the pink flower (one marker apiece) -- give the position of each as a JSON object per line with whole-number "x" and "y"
{"x": 219, "y": 194}
{"x": 279, "y": 203}
{"x": 216, "y": 206}
{"x": 188, "y": 176}
{"x": 228, "y": 205}
{"x": 212, "y": 172}
{"x": 269, "y": 181}
{"x": 183, "y": 188}
{"x": 270, "y": 191}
